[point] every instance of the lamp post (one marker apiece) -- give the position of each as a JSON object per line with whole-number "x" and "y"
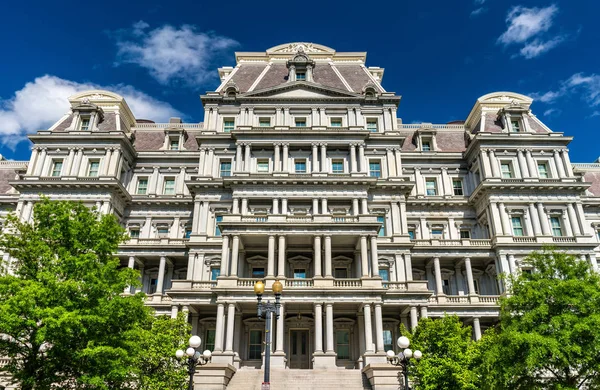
{"x": 403, "y": 357}
{"x": 195, "y": 357}
{"x": 266, "y": 310}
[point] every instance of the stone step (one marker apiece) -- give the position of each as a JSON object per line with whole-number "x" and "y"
{"x": 288, "y": 379}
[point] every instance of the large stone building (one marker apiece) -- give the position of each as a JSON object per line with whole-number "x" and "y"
{"x": 303, "y": 172}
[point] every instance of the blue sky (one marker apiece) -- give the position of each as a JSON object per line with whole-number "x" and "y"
{"x": 439, "y": 55}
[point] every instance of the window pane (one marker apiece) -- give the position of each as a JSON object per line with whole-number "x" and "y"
{"x": 411, "y": 234}
{"x": 337, "y": 166}
{"x": 342, "y": 338}
{"x": 374, "y": 169}
{"x": 134, "y": 233}
{"x": 255, "y": 347}
{"x": 299, "y": 273}
{"x": 85, "y": 124}
{"x": 437, "y": 232}
{"x": 465, "y": 234}
{"x": 458, "y": 188}
{"x": 506, "y": 171}
{"x": 218, "y": 218}
{"x": 258, "y": 273}
{"x": 516, "y": 126}
{"x": 517, "y": 226}
{"x": 262, "y": 166}
{"x": 556, "y": 226}
{"x": 384, "y": 273}
{"x": 431, "y": 186}
{"x": 426, "y": 146}
{"x": 388, "y": 343}
{"x": 381, "y": 220}
{"x": 57, "y": 168}
{"x": 215, "y": 273}
{"x": 264, "y": 122}
{"x": 142, "y": 186}
{"x": 340, "y": 273}
{"x": 300, "y": 122}
{"x": 228, "y": 126}
{"x": 543, "y": 171}
{"x": 300, "y": 76}
{"x": 372, "y": 125}
{"x": 210, "y": 339}
{"x": 225, "y": 168}
{"x": 169, "y": 187}
{"x": 93, "y": 169}
{"x": 174, "y": 144}
{"x": 300, "y": 166}
{"x": 336, "y": 122}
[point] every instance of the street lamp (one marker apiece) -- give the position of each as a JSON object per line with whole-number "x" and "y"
{"x": 195, "y": 357}
{"x": 403, "y": 357}
{"x": 265, "y": 310}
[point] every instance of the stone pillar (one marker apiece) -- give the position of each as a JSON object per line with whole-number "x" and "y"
{"x": 318, "y": 327}
{"x": 247, "y": 157}
{"x": 494, "y": 164}
{"x": 535, "y": 221}
{"x": 329, "y": 334}
{"x": 559, "y": 164}
{"x": 506, "y": 228}
{"x": 328, "y": 273}
{"x": 355, "y": 209}
{"x": 210, "y": 162}
{"x": 470, "y": 282}
{"x": 323, "y": 158}
{"x": 235, "y": 251}
{"x": 361, "y": 158}
{"x": 364, "y": 256}
{"x": 522, "y": 164}
{"x": 230, "y": 327}
{"x": 414, "y": 321}
{"x": 424, "y": 312}
{"x": 225, "y": 256}
{"x": 161, "y": 275}
{"x": 324, "y": 209}
{"x": 353, "y": 165}
{"x": 531, "y": 164}
{"x": 398, "y": 159}
{"x": 364, "y": 206}
{"x": 130, "y": 264}
{"x": 315, "y": 157}
{"x": 389, "y": 162}
{"x": 219, "y": 327}
{"x": 317, "y": 256}
{"x": 460, "y": 282}
{"x": 438, "y": 276}
{"x": 408, "y": 267}
{"x": 277, "y": 155}
{"x": 568, "y": 228}
{"x": 543, "y": 220}
{"x": 379, "y": 328}
{"x": 281, "y": 258}
{"x": 374, "y": 257}
{"x": 315, "y": 208}
{"x": 33, "y": 161}
{"x": 235, "y": 207}
{"x": 284, "y": 206}
{"x": 174, "y": 311}
{"x": 512, "y": 264}
{"x": 573, "y": 219}
{"x": 486, "y": 164}
{"x": 476, "y": 328}
{"x": 202, "y": 162}
{"x": 280, "y": 329}
{"x": 368, "y": 328}
{"x": 238, "y": 157}
{"x": 271, "y": 257}
{"x": 285, "y": 156}
{"x": 567, "y": 162}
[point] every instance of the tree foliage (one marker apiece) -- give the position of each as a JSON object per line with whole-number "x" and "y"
{"x": 549, "y": 333}
{"x": 448, "y": 355}
{"x": 64, "y": 322}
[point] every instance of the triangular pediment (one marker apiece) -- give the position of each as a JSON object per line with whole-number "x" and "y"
{"x": 301, "y": 89}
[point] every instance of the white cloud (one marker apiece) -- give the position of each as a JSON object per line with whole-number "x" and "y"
{"x": 552, "y": 112}
{"x": 478, "y": 11}
{"x": 479, "y": 2}
{"x": 41, "y": 102}
{"x": 537, "y": 47}
{"x": 594, "y": 114}
{"x": 172, "y": 55}
{"x": 524, "y": 23}
{"x": 547, "y": 97}
{"x": 589, "y": 86}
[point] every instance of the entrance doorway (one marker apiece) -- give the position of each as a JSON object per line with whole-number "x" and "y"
{"x": 299, "y": 348}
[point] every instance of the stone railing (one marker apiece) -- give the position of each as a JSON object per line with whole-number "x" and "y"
{"x": 524, "y": 239}
{"x": 299, "y": 283}
{"x": 586, "y": 165}
{"x": 446, "y": 242}
{"x": 157, "y": 241}
{"x": 204, "y": 285}
{"x": 564, "y": 239}
{"x": 489, "y": 299}
{"x": 413, "y": 285}
{"x": 465, "y": 299}
{"x": 318, "y": 218}
{"x": 457, "y": 299}
{"x": 247, "y": 282}
{"x": 162, "y": 126}
{"x": 415, "y": 126}
{"x": 347, "y": 283}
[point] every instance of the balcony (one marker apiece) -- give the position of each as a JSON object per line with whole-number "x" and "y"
{"x": 410, "y": 286}
{"x": 155, "y": 241}
{"x": 446, "y": 243}
{"x": 464, "y": 299}
{"x": 295, "y": 219}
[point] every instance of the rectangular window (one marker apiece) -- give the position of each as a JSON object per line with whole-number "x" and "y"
{"x": 426, "y": 146}
{"x": 506, "y": 170}
{"x": 431, "y": 187}
{"x": 264, "y": 122}
{"x": 340, "y": 273}
{"x": 299, "y": 273}
{"x": 300, "y": 166}
{"x": 228, "y": 125}
{"x": 218, "y": 218}
{"x": 162, "y": 231}
{"x": 152, "y": 287}
{"x": 169, "y": 187}
{"x": 255, "y": 345}
{"x": 374, "y": 168}
{"x": 209, "y": 338}
{"x": 465, "y": 233}
{"x": 57, "y": 167}
{"x": 381, "y": 220}
{"x": 457, "y": 185}
{"x": 515, "y": 126}
{"x": 134, "y": 233}
{"x": 142, "y": 186}
{"x": 300, "y": 76}
{"x": 556, "y": 226}
{"x": 300, "y": 122}
{"x": 188, "y": 233}
{"x": 93, "y": 168}
{"x": 336, "y": 122}
{"x": 174, "y": 144}
{"x": 215, "y": 272}
{"x": 437, "y": 233}
{"x": 342, "y": 338}
{"x": 262, "y": 166}
{"x": 384, "y": 273}
{"x": 258, "y": 273}
{"x": 411, "y": 234}
{"x": 476, "y": 285}
{"x": 517, "y": 225}
{"x": 372, "y": 125}
{"x": 543, "y": 170}
{"x": 337, "y": 166}
{"x": 388, "y": 342}
{"x": 446, "y": 286}
{"x": 85, "y": 124}
{"x": 225, "y": 168}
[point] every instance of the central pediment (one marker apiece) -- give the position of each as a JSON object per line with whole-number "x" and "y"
{"x": 301, "y": 89}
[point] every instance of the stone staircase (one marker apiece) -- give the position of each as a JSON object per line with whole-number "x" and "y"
{"x": 288, "y": 379}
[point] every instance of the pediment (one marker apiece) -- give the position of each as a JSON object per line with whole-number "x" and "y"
{"x": 301, "y": 89}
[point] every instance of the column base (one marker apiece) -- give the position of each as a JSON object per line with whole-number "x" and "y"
{"x": 374, "y": 358}
{"x": 368, "y": 282}
{"x": 223, "y": 358}
{"x": 323, "y": 282}
{"x": 384, "y": 376}
{"x": 324, "y": 360}
{"x": 278, "y": 359}
{"x": 213, "y": 376}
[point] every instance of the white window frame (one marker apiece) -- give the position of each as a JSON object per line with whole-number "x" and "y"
{"x": 227, "y": 129}
{"x": 55, "y": 162}
{"x": 336, "y": 120}
{"x": 89, "y": 170}
{"x": 511, "y": 169}
{"x": 87, "y": 118}
{"x": 262, "y": 161}
{"x": 435, "y": 186}
{"x": 169, "y": 179}
{"x": 300, "y": 120}
{"x": 265, "y": 119}
{"x": 371, "y": 121}
{"x": 137, "y": 187}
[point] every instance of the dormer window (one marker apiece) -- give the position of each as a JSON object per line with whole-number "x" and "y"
{"x": 174, "y": 144}
{"x": 300, "y": 76}
{"x": 515, "y": 126}
{"x": 426, "y": 147}
{"x": 85, "y": 124}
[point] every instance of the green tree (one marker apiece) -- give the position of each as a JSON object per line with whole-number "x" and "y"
{"x": 64, "y": 322}
{"x": 448, "y": 355}
{"x": 549, "y": 333}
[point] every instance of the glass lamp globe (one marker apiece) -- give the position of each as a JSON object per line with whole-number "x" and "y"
{"x": 403, "y": 342}
{"x": 259, "y": 288}
{"x": 206, "y": 354}
{"x": 390, "y": 354}
{"x": 195, "y": 341}
{"x": 190, "y": 351}
{"x": 277, "y": 287}
{"x": 408, "y": 353}
{"x": 179, "y": 354}
{"x": 418, "y": 354}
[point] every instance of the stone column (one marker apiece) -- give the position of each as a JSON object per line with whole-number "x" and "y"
{"x": 275, "y": 209}
{"x": 567, "y": 222}
{"x": 329, "y": 334}
{"x": 174, "y": 311}
{"x": 324, "y": 209}
{"x": 235, "y": 251}
{"x": 535, "y": 220}
{"x": 315, "y": 207}
{"x": 559, "y": 164}
{"x": 225, "y": 256}
{"x": 202, "y": 161}
{"x": 494, "y": 164}
{"x": 364, "y": 206}
{"x": 247, "y": 157}
{"x": 277, "y": 155}
{"x": 281, "y": 259}
{"x": 389, "y": 161}
{"x": 408, "y": 267}
{"x": 364, "y": 256}
{"x": 318, "y": 327}
{"x": 238, "y": 157}
{"x": 353, "y": 158}
{"x": 41, "y": 161}
{"x": 530, "y": 164}
{"x": 235, "y": 207}
{"x": 285, "y": 158}
{"x": 355, "y": 209}
{"x": 567, "y": 162}
{"x": 317, "y": 256}
{"x": 414, "y": 321}
{"x": 230, "y": 327}
{"x": 284, "y": 206}
{"x": 379, "y": 328}
{"x": 280, "y": 329}
{"x": 512, "y": 264}
{"x": 130, "y": 264}
{"x": 315, "y": 157}
{"x": 460, "y": 282}
{"x": 219, "y": 327}
{"x": 368, "y": 328}
{"x": 374, "y": 257}
{"x": 398, "y": 159}
{"x": 476, "y": 328}
{"x": 361, "y": 158}
{"x": 504, "y": 219}
{"x": 470, "y": 282}
{"x": 271, "y": 257}
{"x": 573, "y": 219}
{"x": 438, "y": 276}
{"x": 210, "y": 162}
{"x": 486, "y": 164}
{"x": 328, "y": 273}
{"x": 543, "y": 219}
{"x": 161, "y": 275}
{"x": 323, "y": 158}
{"x": 361, "y": 333}
{"x": 522, "y": 164}
{"x": 424, "y": 312}
{"x": 33, "y": 161}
